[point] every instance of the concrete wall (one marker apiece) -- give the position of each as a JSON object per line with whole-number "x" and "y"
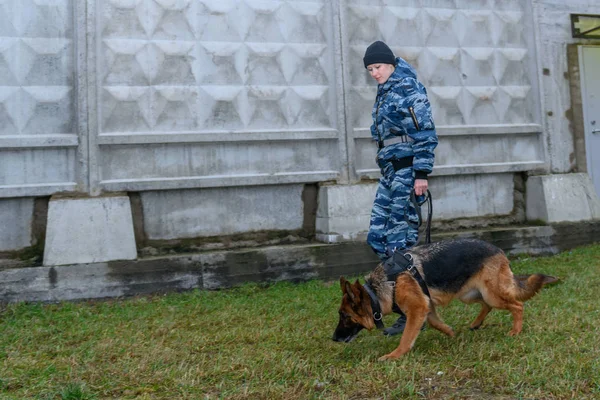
{"x": 197, "y": 94}
{"x": 219, "y": 112}
{"x": 477, "y": 60}
{"x": 39, "y": 153}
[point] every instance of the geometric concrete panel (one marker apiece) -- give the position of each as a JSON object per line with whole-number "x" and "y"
{"x": 208, "y": 212}
{"x": 219, "y": 65}
{"x": 15, "y": 230}
{"x": 476, "y": 59}
{"x": 36, "y": 110}
{"x": 215, "y": 69}
{"x": 37, "y": 97}
{"x": 481, "y": 52}
{"x": 566, "y": 197}
{"x": 36, "y": 67}
{"x": 89, "y": 230}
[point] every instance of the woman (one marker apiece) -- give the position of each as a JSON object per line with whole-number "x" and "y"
{"x": 405, "y": 135}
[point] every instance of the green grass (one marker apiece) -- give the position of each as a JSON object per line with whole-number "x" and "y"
{"x": 273, "y": 342}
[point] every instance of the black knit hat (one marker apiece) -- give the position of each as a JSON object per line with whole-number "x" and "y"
{"x": 379, "y": 52}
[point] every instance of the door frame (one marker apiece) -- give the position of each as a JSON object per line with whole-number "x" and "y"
{"x": 577, "y": 116}
{"x": 587, "y": 129}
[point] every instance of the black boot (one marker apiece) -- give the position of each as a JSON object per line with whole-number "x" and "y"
{"x": 397, "y": 328}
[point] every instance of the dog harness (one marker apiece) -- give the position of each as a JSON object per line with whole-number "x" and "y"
{"x": 403, "y": 262}
{"x": 397, "y": 264}
{"x": 376, "y": 307}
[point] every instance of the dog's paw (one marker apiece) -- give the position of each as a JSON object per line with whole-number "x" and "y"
{"x": 513, "y": 332}
{"x": 387, "y": 357}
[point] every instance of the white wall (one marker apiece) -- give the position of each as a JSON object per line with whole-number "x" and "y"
{"x": 235, "y": 98}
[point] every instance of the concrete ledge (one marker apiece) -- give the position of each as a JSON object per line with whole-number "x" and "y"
{"x": 212, "y": 270}
{"x": 565, "y": 197}
{"x": 89, "y": 230}
{"x": 99, "y": 280}
{"x": 222, "y": 269}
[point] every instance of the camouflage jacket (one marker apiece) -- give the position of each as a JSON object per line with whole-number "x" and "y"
{"x": 402, "y": 108}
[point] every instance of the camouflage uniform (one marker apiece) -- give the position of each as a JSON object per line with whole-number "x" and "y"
{"x": 401, "y": 108}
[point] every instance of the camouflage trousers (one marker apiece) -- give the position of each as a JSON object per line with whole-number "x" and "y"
{"x": 389, "y": 228}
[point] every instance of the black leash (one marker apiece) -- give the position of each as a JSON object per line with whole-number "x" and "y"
{"x": 401, "y": 262}
{"x": 417, "y": 205}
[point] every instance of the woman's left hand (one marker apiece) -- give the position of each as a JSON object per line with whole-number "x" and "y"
{"x": 420, "y": 186}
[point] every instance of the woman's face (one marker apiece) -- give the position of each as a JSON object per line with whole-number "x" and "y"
{"x": 381, "y": 72}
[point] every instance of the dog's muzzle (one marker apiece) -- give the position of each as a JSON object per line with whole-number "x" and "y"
{"x": 345, "y": 334}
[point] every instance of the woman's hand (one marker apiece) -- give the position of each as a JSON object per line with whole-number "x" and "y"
{"x": 420, "y": 186}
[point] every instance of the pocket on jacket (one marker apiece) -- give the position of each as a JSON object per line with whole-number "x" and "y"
{"x": 420, "y": 115}
{"x": 411, "y": 111}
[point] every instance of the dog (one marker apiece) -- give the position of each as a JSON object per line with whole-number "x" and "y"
{"x": 470, "y": 270}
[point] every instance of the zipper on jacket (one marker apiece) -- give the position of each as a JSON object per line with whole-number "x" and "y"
{"x": 414, "y": 118}
{"x": 379, "y": 104}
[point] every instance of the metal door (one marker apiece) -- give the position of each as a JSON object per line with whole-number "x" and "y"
{"x": 590, "y": 79}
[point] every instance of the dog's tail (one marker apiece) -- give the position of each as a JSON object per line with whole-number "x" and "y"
{"x": 529, "y": 285}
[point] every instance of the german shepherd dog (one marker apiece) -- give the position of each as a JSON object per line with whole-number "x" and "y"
{"x": 470, "y": 270}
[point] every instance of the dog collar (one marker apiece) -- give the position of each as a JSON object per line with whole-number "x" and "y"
{"x": 377, "y": 314}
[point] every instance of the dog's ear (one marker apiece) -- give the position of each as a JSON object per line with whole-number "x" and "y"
{"x": 343, "y": 282}
{"x": 361, "y": 293}
{"x": 348, "y": 289}
{"x": 355, "y": 291}
{"x": 550, "y": 279}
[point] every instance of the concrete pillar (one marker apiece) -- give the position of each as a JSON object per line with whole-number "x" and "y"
{"x": 561, "y": 197}
{"x": 89, "y": 230}
{"x": 344, "y": 211}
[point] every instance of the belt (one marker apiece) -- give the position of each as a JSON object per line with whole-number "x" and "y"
{"x": 398, "y": 163}
{"x": 397, "y": 139}
{"x": 403, "y": 162}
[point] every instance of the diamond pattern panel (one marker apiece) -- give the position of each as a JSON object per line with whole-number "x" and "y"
{"x": 36, "y": 67}
{"x": 473, "y": 56}
{"x": 173, "y": 65}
